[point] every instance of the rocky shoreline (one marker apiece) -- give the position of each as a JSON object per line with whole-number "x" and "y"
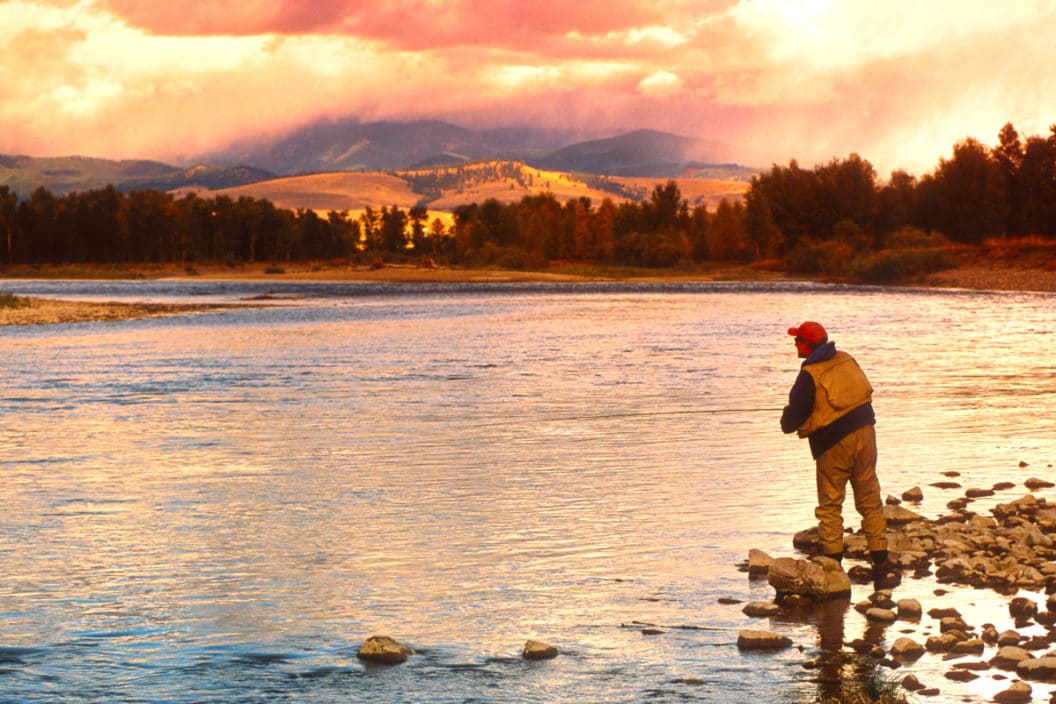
{"x": 44, "y": 311}
{"x": 1009, "y": 549}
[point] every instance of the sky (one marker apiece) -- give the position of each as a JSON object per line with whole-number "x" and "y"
{"x": 898, "y": 82}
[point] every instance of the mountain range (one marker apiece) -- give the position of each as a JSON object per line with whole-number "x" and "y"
{"x": 354, "y": 146}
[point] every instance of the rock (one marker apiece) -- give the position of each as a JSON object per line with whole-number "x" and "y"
{"x": 945, "y": 612}
{"x": 909, "y": 609}
{"x": 1036, "y": 643}
{"x": 899, "y": 515}
{"x": 758, "y": 563}
{"x": 1038, "y": 669}
{"x": 860, "y": 574}
{"x": 1035, "y": 483}
{"x": 1003, "y": 486}
{"x": 761, "y": 609}
{"x": 538, "y": 650}
{"x": 383, "y": 649}
{"x": 1009, "y": 657}
{"x": 978, "y": 493}
{"x": 878, "y": 615}
{"x": 911, "y": 683}
{"x": 729, "y": 600}
{"x": 892, "y": 501}
{"x": 941, "y": 643}
{"x": 1023, "y": 608}
{"x": 1009, "y": 637}
{"x": 761, "y": 640}
{"x": 972, "y": 646}
{"x": 929, "y": 692}
{"x": 914, "y": 494}
{"x": 906, "y": 649}
{"x": 961, "y": 675}
{"x": 819, "y": 578}
{"x": 1017, "y": 693}
{"x": 806, "y": 540}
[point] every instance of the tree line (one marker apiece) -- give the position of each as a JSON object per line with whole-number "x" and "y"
{"x": 833, "y": 218}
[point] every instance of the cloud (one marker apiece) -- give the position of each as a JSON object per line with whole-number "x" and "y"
{"x": 897, "y": 82}
{"x": 660, "y": 83}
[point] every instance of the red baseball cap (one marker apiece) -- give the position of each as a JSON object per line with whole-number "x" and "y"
{"x": 810, "y": 331}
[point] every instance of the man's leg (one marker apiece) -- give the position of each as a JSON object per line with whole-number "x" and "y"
{"x": 866, "y": 487}
{"x": 833, "y": 471}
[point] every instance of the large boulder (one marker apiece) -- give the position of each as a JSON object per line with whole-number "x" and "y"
{"x": 819, "y": 578}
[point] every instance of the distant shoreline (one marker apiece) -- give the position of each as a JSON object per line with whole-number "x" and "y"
{"x": 42, "y": 311}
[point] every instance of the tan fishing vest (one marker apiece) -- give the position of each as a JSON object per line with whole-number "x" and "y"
{"x": 840, "y": 386}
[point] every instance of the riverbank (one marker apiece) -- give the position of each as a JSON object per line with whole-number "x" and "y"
{"x": 975, "y": 274}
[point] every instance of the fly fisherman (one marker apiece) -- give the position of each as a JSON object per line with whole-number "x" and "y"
{"x": 830, "y": 404}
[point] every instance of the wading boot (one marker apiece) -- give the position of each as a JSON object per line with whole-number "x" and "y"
{"x": 886, "y": 574}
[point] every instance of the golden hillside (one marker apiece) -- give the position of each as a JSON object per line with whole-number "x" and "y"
{"x": 344, "y": 190}
{"x": 444, "y": 189}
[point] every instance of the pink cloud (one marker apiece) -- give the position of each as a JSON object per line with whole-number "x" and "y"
{"x": 406, "y": 24}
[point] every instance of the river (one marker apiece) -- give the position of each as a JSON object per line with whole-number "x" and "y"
{"x": 223, "y": 506}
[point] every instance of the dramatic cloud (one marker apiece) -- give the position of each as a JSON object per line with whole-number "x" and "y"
{"x": 897, "y": 82}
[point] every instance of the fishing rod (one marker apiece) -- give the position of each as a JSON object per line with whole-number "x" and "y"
{"x": 650, "y": 414}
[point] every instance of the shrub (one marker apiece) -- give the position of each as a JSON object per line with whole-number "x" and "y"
{"x": 10, "y": 300}
{"x": 915, "y": 238}
{"x": 820, "y": 257}
{"x": 890, "y": 266}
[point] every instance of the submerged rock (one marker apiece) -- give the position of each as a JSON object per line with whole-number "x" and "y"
{"x": 761, "y": 609}
{"x": 384, "y": 650}
{"x": 538, "y": 650}
{"x": 762, "y": 640}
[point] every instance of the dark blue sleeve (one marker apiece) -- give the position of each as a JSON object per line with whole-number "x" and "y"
{"x": 800, "y": 403}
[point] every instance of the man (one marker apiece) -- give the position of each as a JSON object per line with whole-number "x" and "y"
{"x": 830, "y": 404}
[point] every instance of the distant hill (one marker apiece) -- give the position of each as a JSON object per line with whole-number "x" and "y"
{"x": 638, "y": 153}
{"x": 62, "y": 175}
{"x": 349, "y": 145}
{"x": 445, "y": 188}
{"x": 388, "y": 147}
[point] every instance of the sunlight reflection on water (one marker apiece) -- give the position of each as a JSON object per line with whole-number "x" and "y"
{"x": 224, "y": 506}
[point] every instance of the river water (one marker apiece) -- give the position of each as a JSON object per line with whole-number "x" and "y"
{"x": 223, "y": 506}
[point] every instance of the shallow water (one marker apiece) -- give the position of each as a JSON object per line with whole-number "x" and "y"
{"x": 223, "y": 506}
